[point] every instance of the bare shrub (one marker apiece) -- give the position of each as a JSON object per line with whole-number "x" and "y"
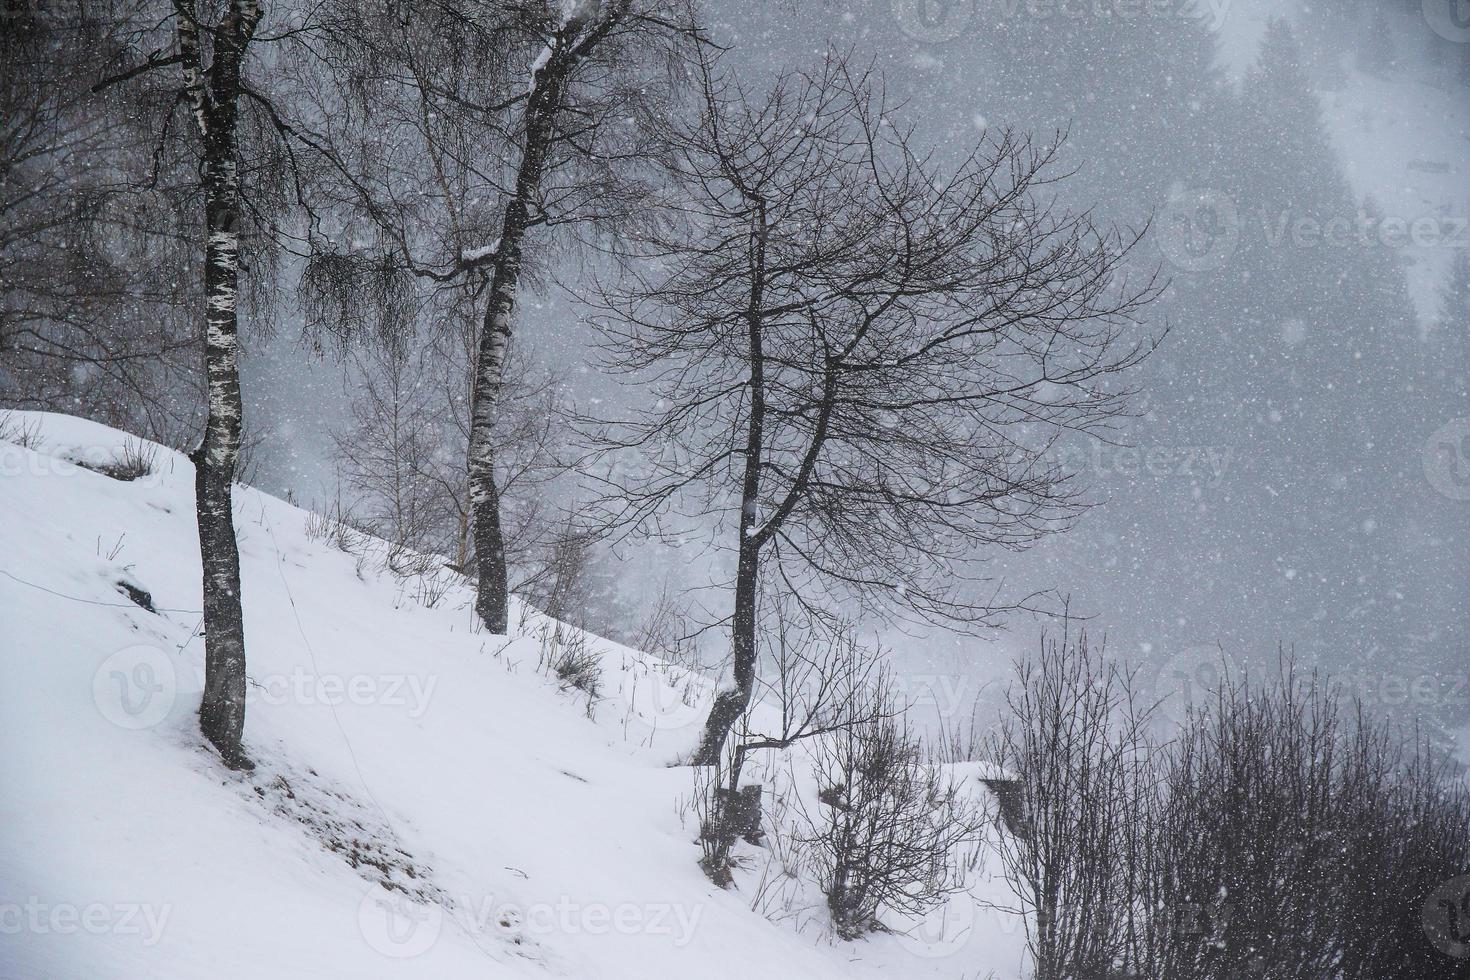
{"x": 778, "y": 890}
{"x": 335, "y": 528}
{"x": 1072, "y": 741}
{"x": 714, "y": 845}
{"x": 558, "y": 587}
{"x": 23, "y": 433}
{"x": 667, "y": 629}
{"x": 1282, "y": 834}
{"x": 135, "y": 460}
{"x": 1298, "y": 838}
{"x": 889, "y": 827}
{"x": 816, "y": 684}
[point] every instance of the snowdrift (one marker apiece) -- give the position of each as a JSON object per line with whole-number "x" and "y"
{"x": 426, "y": 803}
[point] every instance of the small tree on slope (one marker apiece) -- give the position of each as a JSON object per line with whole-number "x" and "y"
{"x": 859, "y": 360}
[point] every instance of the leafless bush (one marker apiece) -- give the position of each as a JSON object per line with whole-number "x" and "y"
{"x": 714, "y": 844}
{"x": 558, "y": 586}
{"x": 817, "y": 683}
{"x": 1298, "y": 838}
{"x": 23, "y": 433}
{"x": 433, "y": 585}
{"x": 890, "y": 826}
{"x": 402, "y": 457}
{"x": 135, "y": 460}
{"x": 778, "y": 889}
{"x": 1072, "y": 738}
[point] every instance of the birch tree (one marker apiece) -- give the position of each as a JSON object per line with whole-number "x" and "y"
{"x": 188, "y": 65}
{"x": 497, "y": 129}
{"x": 857, "y": 359}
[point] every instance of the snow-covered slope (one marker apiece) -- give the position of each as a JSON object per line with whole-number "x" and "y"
{"x": 426, "y": 803}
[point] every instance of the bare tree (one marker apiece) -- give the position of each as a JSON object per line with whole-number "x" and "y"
{"x": 195, "y": 70}
{"x": 402, "y": 458}
{"x": 507, "y": 120}
{"x": 93, "y": 315}
{"x": 858, "y": 359}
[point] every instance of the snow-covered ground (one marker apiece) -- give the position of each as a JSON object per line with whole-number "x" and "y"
{"x": 427, "y": 802}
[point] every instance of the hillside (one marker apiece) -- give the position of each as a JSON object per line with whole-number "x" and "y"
{"x": 426, "y": 802}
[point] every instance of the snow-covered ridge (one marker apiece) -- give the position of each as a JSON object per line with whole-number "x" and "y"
{"x": 426, "y": 801}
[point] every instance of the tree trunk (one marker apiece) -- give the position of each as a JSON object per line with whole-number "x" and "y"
{"x": 215, "y": 104}
{"x": 732, "y": 702}
{"x": 492, "y": 601}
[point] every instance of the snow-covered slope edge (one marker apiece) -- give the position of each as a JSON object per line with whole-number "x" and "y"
{"x": 426, "y": 803}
